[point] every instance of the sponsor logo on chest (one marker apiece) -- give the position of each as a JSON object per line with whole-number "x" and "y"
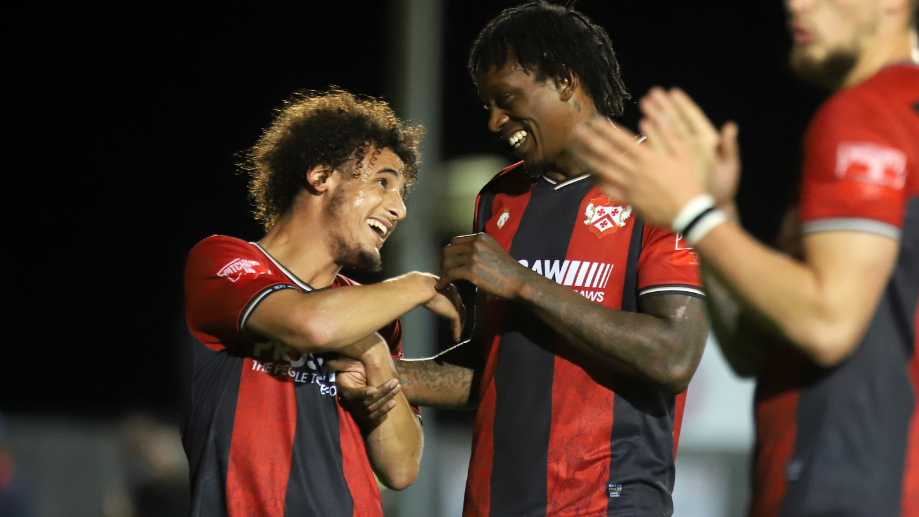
{"x": 587, "y": 278}
{"x": 276, "y": 360}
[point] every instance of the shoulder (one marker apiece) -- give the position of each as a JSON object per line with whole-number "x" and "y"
{"x": 222, "y": 244}
{"x": 509, "y": 179}
{"x": 221, "y": 255}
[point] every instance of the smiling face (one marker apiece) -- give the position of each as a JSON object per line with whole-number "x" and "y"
{"x": 829, "y": 35}
{"x": 364, "y": 208}
{"x": 531, "y": 116}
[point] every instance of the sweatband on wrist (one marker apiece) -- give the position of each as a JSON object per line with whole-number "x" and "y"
{"x": 703, "y": 224}
{"x": 691, "y": 211}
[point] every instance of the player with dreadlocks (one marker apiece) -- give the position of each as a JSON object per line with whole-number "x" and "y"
{"x": 589, "y": 322}
{"x": 262, "y": 426}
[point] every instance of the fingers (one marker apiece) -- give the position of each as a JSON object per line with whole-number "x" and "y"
{"x": 662, "y": 111}
{"x": 693, "y": 115}
{"x": 382, "y": 401}
{"x": 654, "y": 128}
{"x": 602, "y": 148}
{"x": 728, "y": 148}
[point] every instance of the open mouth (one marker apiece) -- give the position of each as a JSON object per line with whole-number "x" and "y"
{"x": 379, "y": 228}
{"x": 517, "y": 139}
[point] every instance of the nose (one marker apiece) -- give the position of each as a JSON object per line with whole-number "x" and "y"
{"x": 496, "y": 119}
{"x": 395, "y": 205}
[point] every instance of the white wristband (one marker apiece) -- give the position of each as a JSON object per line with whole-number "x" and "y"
{"x": 690, "y": 211}
{"x": 708, "y": 222}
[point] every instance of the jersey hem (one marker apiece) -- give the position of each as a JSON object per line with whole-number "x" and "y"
{"x": 852, "y": 224}
{"x": 258, "y": 299}
{"x": 688, "y": 290}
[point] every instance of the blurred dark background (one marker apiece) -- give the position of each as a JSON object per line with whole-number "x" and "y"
{"x": 125, "y": 126}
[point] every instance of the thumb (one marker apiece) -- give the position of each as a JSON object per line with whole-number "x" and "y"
{"x": 728, "y": 146}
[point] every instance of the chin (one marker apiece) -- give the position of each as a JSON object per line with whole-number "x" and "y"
{"x": 829, "y": 70}
{"x": 359, "y": 258}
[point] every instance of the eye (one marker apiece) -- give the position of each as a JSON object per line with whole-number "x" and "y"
{"x": 384, "y": 182}
{"x": 505, "y": 99}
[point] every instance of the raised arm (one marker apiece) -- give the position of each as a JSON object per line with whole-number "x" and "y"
{"x": 331, "y": 319}
{"x": 662, "y": 343}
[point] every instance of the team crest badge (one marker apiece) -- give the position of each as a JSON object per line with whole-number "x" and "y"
{"x": 503, "y": 219}
{"x": 603, "y": 218}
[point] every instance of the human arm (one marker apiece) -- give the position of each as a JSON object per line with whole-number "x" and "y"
{"x": 822, "y": 304}
{"x": 663, "y": 343}
{"x": 394, "y": 440}
{"x": 332, "y": 319}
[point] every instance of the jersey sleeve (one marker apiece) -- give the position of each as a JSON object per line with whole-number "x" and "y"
{"x": 667, "y": 265}
{"x": 854, "y": 176}
{"x": 225, "y": 280}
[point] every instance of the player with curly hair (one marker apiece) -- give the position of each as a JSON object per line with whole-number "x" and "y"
{"x": 263, "y": 427}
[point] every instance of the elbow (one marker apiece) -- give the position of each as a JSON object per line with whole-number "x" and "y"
{"x": 676, "y": 378}
{"x": 400, "y": 478}
{"x": 312, "y": 337}
{"x": 826, "y": 345}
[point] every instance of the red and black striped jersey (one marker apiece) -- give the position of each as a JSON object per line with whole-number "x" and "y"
{"x": 261, "y": 424}
{"x": 556, "y": 433}
{"x": 845, "y": 440}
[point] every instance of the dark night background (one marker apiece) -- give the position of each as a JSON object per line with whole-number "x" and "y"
{"x": 124, "y": 128}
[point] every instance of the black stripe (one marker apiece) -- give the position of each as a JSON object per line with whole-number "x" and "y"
{"x": 317, "y": 484}
{"x": 208, "y": 415}
{"x": 853, "y": 420}
{"x": 696, "y": 220}
{"x": 681, "y": 293}
{"x": 630, "y": 284}
{"x": 643, "y": 468}
{"x": 524, "y": 373}
{"x": 486, "y": 200}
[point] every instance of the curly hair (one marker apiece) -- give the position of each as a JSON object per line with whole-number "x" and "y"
{"x": 333, "y": 129}
{"x": 553, "y": 41}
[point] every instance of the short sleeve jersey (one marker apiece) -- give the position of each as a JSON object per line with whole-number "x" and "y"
{"x": 845, "y": 440}
{"x": 261, "y": 424}
{"x": 557, "y": 433}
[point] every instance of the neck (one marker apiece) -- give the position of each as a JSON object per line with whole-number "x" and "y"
{"x": 566, "y": 166}
{"x": 890, "y": 46}
{"x": 297, "y": 245}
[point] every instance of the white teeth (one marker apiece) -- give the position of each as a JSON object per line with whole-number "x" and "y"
{"x": 517, "y": 138}
{"x": 377, "y": 224}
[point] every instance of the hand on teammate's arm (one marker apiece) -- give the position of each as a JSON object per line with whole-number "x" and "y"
{"x": 392, "y": 432}
{"x": 663, "y": 345}
{"x": 328, "y": 320}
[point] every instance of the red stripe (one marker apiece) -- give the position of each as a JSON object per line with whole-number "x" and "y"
{"x": 582, "y": 407}
{"x": 262, "y": 444}
{"x": 678, "y": 420}
{"x": 579, "y": 442}
{"x": 909, "y": 505}
{"x": 356, "y": 466}
{"x": 776, "y": 428}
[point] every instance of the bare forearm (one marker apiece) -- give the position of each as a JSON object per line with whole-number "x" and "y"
{"x": 742, "y": 350}
{"x": 329, "y": 320}
{"x": 395, "y": 441}
{"x": 438, "y": 381}
{"x": 663, "y": 350}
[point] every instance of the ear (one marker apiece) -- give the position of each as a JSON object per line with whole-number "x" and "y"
{"x": 566, "y": 84}
{"x": 319, "y": 179}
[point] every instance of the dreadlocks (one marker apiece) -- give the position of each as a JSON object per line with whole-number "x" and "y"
{"x": 554, "y": 41}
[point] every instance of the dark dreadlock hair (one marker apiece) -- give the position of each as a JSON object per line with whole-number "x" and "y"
{"x": 333, "y": 129}
{"x": 554, "y": 41}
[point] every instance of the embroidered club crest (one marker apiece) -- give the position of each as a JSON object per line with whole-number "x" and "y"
{"x": 603, "y": 218}
{"x": 503, "y": 219}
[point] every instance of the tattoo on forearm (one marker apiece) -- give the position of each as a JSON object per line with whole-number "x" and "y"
{"x": 430, "y": 382}
{"x": 666, "y": 339}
